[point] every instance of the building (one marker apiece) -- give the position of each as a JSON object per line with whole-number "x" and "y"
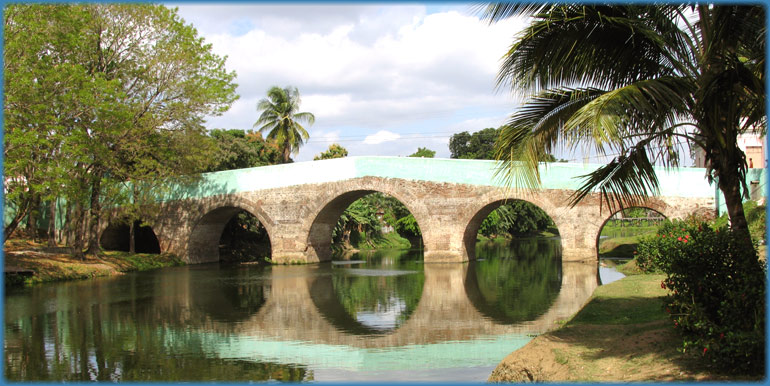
{"x": 753, "y": 145}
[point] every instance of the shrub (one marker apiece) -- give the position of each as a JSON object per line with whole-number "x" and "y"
{"x": 717, "y": 291}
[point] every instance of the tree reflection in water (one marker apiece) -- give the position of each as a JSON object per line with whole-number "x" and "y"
{"x": 371, "y": 297}
{"x": 517, "y": 281}
{"x": 291, "y": 323}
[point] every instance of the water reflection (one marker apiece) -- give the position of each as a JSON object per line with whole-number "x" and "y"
{"x": 369, "y": 297}
{"x": 515, "y": 283}
{"x": 387, "y": 315}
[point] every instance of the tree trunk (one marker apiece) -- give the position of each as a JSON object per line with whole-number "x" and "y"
{"x": 79, "y": 242}
{"x": 52, "y": 223}
{"x": 286, "y": 152}
{"x": 20, "y": 213}
{"x": 132, "y": 237}
{"x": 34, "y": 213}
{"x": 68, "y": 232}
{"x": 731, "y": 189}
{"x": 94, "y": 213}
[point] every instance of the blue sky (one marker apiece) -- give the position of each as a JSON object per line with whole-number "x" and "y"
{"x": 380, "y": 79}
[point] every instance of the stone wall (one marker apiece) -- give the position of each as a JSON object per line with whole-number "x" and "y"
{"x": 299, "y": 219}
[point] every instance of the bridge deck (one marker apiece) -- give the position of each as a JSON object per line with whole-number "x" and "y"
{"x": 682, "y": 182}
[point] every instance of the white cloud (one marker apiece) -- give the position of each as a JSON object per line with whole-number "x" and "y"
{"x": 361, "y": 69}
{"x": 380, "y": 137}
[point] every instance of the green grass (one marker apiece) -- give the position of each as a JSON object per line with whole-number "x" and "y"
{"x": 632, "y": 300}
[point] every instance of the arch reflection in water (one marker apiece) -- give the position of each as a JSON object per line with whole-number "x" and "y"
{"x": 230, "y": 293}
{"x": 172, "y": 324}
{"x": 371, "y": 293}
{"x": 515, "y": 281}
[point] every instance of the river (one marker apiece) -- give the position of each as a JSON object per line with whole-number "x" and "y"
{"x": 382, "y": 316}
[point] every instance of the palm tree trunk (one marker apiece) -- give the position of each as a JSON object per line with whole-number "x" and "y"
{"x": 286, "y": 152}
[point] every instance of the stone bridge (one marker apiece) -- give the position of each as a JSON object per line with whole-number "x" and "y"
{"x": 300, "y": 203}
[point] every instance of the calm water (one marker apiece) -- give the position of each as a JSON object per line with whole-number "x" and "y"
{"x": 375, "y": 317}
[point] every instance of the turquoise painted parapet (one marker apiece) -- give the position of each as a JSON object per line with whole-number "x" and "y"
{"x": 682, "y": 182}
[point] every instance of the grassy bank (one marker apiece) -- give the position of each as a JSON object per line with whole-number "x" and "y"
{"x": 358, "y": 242}
{"x": 621, "y": 335}
{"x": 47, "y": 266}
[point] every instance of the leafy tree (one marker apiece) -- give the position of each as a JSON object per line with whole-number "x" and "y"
{"x": 280, "y": 118}
{"x": 237, "y": 149}
{"x": 516, "y": 218}
{"x": 479, "y": 145}
{"x": 637, "y": 81}
{"x": 423, "y": 152}
{"x": 334, "y": 151}
{"x": 100, "y": 104}
{"x": 361, "y": 217}
{"x": 407, "y": 226}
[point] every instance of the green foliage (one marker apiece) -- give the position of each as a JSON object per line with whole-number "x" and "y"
{"x": 755, "y": 215}
{"x": 360, "y": 217}
{"x": 408, "y": 226}
{"x": 423, "y": 152}
{"x": 516, "y": 281}
{"x": 479, "y": 145}
{"x": 634, "y": 81}
{"x": 398, "y": 294}
{"x": 360, "y": 227}
{"x": 515, "y": 218}
{"x": 237, "y": 149}
{"x": 334, "y": 151}
{"x": 717, "y": 291}
{"x": 91, "y": 104}
{"x": 281, "y": 119}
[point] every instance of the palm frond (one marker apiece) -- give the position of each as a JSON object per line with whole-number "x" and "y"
{"x": 499, "y": 11}
{"x": 624, "y": 182}
{"x": 599, "y": 46}
{"x": 641, "y": 107}
{"x": 533, "y": 132}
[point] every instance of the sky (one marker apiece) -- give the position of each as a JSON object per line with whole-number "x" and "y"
{"x": 380, "y": 79}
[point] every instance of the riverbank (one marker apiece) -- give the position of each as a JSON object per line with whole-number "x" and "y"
{"x": 44, "y": 264}
{"x": 621, "y": 335}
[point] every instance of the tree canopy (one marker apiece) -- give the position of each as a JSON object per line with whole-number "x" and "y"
{"x": 423, "y": 152}
{"x": 98, "y": 95}
{"x": 237, "y": 149}
{"x": 479, "y": 145}
{"x": 638, "y": 83}
{"x": 281, "y": 119}
{"x": 334, "y": 151}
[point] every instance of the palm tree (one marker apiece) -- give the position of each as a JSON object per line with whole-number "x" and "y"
{"x": 637, "y": 82}
{"x": 280, "y": 118}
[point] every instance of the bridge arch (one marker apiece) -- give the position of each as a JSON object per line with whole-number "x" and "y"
{"x": 488, "y": 206}
{"x": 115, "y": 236}
{"x": 320, "y": 226}
{"x": 203, "y": 240}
